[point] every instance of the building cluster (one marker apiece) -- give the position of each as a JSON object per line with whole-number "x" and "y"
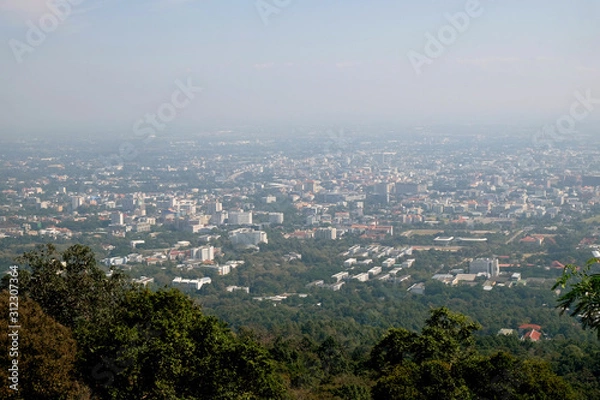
{"x": 383, "y": 263}
{"x": 225, "y": 191}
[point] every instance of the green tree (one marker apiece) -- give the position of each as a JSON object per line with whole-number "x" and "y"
{"x": 163, "y": 347}
{"x": 45, "y": 351}
{"x": 441, "y": 362}
{"x": 333, "y": 359}
{"x": 70, "y": 286}
{"x": 583, "y": 296}
{"x": 134, "y": 343}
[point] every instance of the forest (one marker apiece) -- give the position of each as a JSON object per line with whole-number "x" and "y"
{"x": 86, "y": 335}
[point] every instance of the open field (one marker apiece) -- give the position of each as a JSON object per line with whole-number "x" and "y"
{"x": 421, "y": 232}
{"x": 592, "y": 220}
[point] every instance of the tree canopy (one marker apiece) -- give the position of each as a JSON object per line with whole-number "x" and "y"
{"x": 442, "y": 362}
{"x": 582, "y": 299}
{"x": 46, "y": 354}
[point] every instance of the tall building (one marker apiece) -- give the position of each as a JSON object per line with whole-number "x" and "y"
{"x": 382, "y": 191}
{"x": 128, "y": 203}
{"x": 488, "y": 266}
{"x": 326, "y": 233}
{"x": 218, "y": 218}
{"x": 203, "y": 253}
{"x": 409, "y": 188}
{"x": 116, "y": 218}
{"x": 76, "y": 202}
{"x": 240, "y": 218}
{"x": 276, "y": 218}
{"x": 166, "y": 202}
{"x": 214, "y": 207}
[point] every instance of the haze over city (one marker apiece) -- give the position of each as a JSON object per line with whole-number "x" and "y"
{"x": 299, "y": 199}
{"x": 106, "y": 64}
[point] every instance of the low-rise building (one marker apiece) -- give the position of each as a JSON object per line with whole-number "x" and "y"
{"x": 195, "y": 284}
{"x": 340, "y": 276}
{"x": 374, "y": 271}
{"x": 247, "y": 236}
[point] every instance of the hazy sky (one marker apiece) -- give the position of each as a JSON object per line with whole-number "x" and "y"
{"x": 111, "y": 62}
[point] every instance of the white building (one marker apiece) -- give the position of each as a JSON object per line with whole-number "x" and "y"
{"x": 389, "y": 263}
{"x": 417, "y": 288}
{"x": 276, "y": 218}
{"x": 203, "y": 253}
{"x": 116, "y": 218}
{"x": 487, "y": 266}
{"x": 340, "y": 276}
{"x": 76, "y": 202}
{"x": 361, "y": 277}
{"x": 269, "y": 199}
{"x": 223, "y": 269}
{"x": 238, "y": 288}
{"x": 144, "y": 280}
{"x": 328, "y": 233}
{"x": 142, "y": 227}
{"x": 240, "y": 218}
{"x": 247, "y": 237}
{"x": 114, "y": 261}
{"x": 190, "y": 283}
{"x": 214, "y": 207}
{"x": 349, "y": 262}
{"x": 337, "y": 286}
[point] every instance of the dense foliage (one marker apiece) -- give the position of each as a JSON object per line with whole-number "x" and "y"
{"x": 115, "y": 340}
{"x": 583, "y": 295}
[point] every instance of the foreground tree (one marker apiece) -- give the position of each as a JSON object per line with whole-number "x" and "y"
{"x": 442, "y": 363}
{"x": 45, "y": 351}
{"x": 70, "y": 286}
{"x": 163, "y": 347}
{"x": 583, "y": 297}
{"x": 134, "y": 343}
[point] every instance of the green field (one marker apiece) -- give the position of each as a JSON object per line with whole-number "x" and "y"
{"x": 592, "y": 220}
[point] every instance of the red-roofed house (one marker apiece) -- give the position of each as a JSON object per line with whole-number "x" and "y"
{"x": 531, "y": 326}
{"x": 532, "y": 240}
{"x": 532, "y": 335}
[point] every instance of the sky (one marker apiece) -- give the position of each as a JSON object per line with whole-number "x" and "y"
{"x": 104, "y": 67}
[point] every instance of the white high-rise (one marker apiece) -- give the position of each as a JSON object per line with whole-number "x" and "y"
{"x": 240, "y": 218}
{"x": 488, "y": 266}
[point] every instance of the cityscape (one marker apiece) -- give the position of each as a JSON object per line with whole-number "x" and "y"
{"x": 299, "y": 200}
{"x": 190, "y": 210}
